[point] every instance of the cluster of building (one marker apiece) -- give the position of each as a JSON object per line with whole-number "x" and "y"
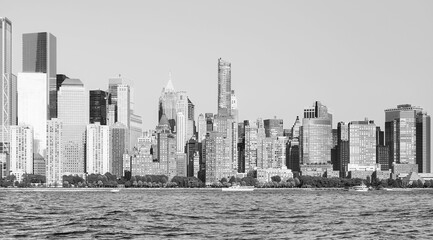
{"x": 52, "y": 126}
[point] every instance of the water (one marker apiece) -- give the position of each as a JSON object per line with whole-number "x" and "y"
{"x": 210, "y": 213}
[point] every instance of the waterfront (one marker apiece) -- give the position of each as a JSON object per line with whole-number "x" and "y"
{"x": 209, "y": 213}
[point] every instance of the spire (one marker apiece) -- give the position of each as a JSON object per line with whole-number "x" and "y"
{"x": 169, "y": 87}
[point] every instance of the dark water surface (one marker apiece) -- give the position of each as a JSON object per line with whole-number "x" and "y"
{"x": 210, "y": 213}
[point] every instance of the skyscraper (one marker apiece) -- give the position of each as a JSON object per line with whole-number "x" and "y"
{"x": 21, "y": 150}
{"x": 362, "y": 146}
{"x": 98, "y": 149}
{"x": 273, "y": 127}
{"x": 342, "y": 148}
{"x": 316, "y": 135}
{"x": 98, "y": 106}
{"x": 168, "y": 104}
{"x": 73, "y": 111}
{"x": 423, "y": 143}
{"x": 234, "y": 106}
{"x": 190, "y": 130}
{"x": 118, "y": 133}
{"x": 124, "y": 111}
{"x": 180, "y": 132}
{"x": 5, "y": 83}
{"x": 40, "y": 56}
{"x": 32, "y": 107}
{"x": 54, "y": 152}
{"x": 224, "y": 88}
{"x": 201, "y": 125}
{"x": 400, "y": 133}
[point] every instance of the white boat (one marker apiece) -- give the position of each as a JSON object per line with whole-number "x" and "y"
{"x": 115, "y": 190}
{"x": 360, "y": 188}
{"x": 238, "y": 188}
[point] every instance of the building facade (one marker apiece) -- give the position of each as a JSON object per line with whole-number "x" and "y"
{"x": 98, "y": 149}
{"x": 54, "y": 158}
{"x": 224, "y": 88}
{"x": 21, "y": 150}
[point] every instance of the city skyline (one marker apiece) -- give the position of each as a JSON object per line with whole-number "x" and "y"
{"x": 294, "y": 72}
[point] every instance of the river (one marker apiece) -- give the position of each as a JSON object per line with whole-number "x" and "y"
{"x": 210, "y": 213}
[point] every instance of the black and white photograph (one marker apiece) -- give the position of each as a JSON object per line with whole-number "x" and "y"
{"x": 206, "y": 119}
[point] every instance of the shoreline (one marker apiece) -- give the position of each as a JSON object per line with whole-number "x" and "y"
{"x": 211, "y": 189}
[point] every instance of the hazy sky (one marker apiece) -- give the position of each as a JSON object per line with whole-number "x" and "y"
{"x": 356, "y": 57}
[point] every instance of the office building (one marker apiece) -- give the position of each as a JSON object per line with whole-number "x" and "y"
{"x": 98, "y": 106}
{"x": 224, "y": 88}
{"x": 201, "y": 128}
{"x": 218, "y": 166}
{"x": 168, "y": 104}
{"x": 180, "y": 132}
{"x": 5, "y": 83}
{"x": 73, "y": 111}
{"x": 234, "y": 107}
{"x": 54, "y": 157}
{"x": 32, "y": 107}
{"x": 273, "y": 127}
{"x": 21, "y": 151}
{"x": 316, "y": 135}
{"x": 423, "y": 142}
{"x": 362, "y": 146}
{"x": 40, "y": 56}
{"x": 119, "y": 134}
{"x": 98, "y": 149}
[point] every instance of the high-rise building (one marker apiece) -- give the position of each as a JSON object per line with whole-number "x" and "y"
{"x": 316, "y": 135}
{"x": 217, "y": 165}
{"x": 234, "y": 107}
{"x": 32, "y": 107}
{"x": 39, "y": 165}
{"x": 98, "y": 149}
{"x": 423, "y": 143}
{"x": 166, "y": 148}
{"x": 180, "y": 132}
{"x": 5, "y": 84}
{"x": 118, "y": 133}
{"x": 21, "y": 150}
{"x": 400, "y": 133}
{"x": 362, "y": 146}
{"x": 168, "y": 104}
{"x": 342, "y": 149}
{"x": 136, "y": 130}
{"x": 224, "y": 88}
{"x": 190, "y": 129}
{"x": 273, "y": 127}
{"x": 251, "y": 142}
{"x": 54, "y": 159}
{"x": 209, "y": 121}
{"x": 73, "y": 111}
{"x": 201, "y": 125}
{"x": 98, "y": 106}
{"x": 112, "y": 88}
{"x": 40, "y": 56}
{"x": 181, "y": 164}
{"x": 124, "y": 105}
{"x": 192, "y": 152}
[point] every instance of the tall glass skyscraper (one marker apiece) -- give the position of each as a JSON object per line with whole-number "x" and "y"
{"x": 5, "y": 79}
{"x": 224, "y": 87}
{"x": 98, "y": 106}
{"x": 400, "y": 133}
{"x": 40, "y": 55}
{"x": 74, "y": 114}
{"x": 316, "y": 135}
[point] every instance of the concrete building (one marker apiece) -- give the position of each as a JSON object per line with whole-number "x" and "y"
{"x": 21, "y": 150}
{"x": 218, "y": 166}
{"x": 124, "y": 110}
{"x": 98, "y": 149}
{"x": 180, "y": 132}
{"x": 251, "y": 142}
{"x": 39, "y": 165}
{"x": 234, "y": 107}
{"x": 362, "y": 146}
{"x": 181, "y": 164}
{"x": 265, "y": 175}
{"x": 168, "y": 104}
{"x": 73, "y": 111}
{"x": 54, "y": 158}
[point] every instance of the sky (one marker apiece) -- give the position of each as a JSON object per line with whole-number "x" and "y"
{"x": 357, "y": 57}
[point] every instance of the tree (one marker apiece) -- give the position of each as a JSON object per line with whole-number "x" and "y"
{"x": 276, "y": 179}
{"x": 223, "y": 180}
{"x": 232, "y": 180}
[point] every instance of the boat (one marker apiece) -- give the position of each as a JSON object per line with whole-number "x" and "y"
{"x": 238, "y": 188}
{"x": 115, "y": 190}
{"x": 360, "y": 188}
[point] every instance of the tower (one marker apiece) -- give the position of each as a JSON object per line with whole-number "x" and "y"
{"x": 40, "y": 56}
{"x": 224, "y": 88}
